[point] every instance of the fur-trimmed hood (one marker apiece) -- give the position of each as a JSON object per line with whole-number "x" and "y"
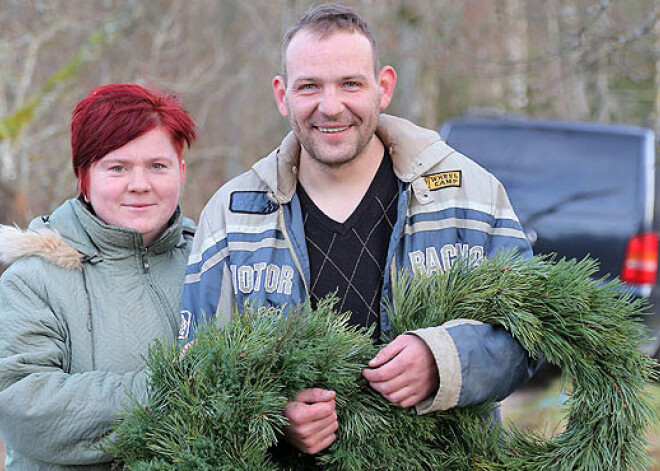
{"x": 45, "y": 243}
{"x": 58, "y": 238}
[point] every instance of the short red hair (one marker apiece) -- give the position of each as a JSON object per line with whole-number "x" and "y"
{"x": 111, "y": 116}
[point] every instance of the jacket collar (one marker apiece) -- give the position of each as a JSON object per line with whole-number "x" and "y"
{"x": 414, "y": 151}
{"x": 118, "y": 242}
{"x": 73, "y": 233}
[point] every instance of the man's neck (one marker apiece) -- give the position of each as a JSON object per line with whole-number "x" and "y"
{"x": 337, "y": 191}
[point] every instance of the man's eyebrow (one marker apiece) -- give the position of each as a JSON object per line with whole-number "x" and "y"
{"x": 345, "y": 78}
{"x": 305, "y": 80}
{"x": 354, "y": 77}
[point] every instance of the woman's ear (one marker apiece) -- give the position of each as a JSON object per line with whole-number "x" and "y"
{"x": 182, "y": 170}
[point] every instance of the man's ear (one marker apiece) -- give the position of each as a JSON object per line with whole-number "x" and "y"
{"x": 387, "y": 82}
{"x": 279, "y": 89}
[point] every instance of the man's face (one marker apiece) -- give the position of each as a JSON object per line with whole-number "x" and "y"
{"x": 331, "y": 95}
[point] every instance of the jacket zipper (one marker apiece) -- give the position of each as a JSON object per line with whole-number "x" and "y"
{"x": 159, "y": 296}
{"x": 90, "y": 318}
{"x": 291, "y": 249}
{"x": 395, "y": 241}
{"x": 145, "y": 260}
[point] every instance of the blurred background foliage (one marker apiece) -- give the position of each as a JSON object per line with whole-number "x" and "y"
{"x": 567, "y": 59}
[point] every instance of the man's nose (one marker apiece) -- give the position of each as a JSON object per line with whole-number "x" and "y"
{"x": 331, "y": 103}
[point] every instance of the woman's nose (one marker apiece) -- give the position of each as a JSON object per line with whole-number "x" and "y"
{"x": 139, "y": 181}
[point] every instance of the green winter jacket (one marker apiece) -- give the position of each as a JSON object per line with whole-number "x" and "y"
{"x": 79, "y": 306}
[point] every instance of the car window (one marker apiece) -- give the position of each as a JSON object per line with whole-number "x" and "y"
{"x": 558, "y": 176}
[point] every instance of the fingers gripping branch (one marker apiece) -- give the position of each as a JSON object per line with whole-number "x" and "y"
{"x": 312, "y": 420}
{"x": 404, "y": 372}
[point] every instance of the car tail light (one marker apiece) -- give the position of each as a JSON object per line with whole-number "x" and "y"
{"x": 641, "y": 263}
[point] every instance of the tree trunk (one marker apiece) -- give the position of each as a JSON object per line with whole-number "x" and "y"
{"x": 516, "y": 51}
{"x": 575, "y": 83}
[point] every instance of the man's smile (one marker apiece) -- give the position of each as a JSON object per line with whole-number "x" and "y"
{"x": 332, "y": 129}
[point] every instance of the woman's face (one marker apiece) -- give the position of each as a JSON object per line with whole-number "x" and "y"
{"x": 138, "y": 185}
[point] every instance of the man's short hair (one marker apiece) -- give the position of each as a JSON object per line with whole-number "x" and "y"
{"x": 325, "y": 20}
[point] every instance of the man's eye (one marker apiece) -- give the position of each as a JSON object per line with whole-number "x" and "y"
{"x": 352, "y": 84}
{"x": 308, "y": 86}
{"x": 117, "y": 168}
{"x": 158, "y": 165}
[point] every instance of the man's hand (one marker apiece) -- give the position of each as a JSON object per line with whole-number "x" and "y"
{"x": 312, "y": 420}
{"x": 404, "y": 372}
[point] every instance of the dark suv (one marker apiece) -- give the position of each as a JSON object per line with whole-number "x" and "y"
{"x": 578, "y": 188}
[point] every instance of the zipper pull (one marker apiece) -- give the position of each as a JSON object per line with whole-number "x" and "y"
{"x": 145, "y": 260}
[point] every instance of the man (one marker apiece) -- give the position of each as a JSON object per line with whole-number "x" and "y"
{"x": 349, "y": 198}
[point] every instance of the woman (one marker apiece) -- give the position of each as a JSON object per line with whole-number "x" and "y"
{"x": 91, "y": 286}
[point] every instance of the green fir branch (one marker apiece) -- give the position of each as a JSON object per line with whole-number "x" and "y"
{"x": 220, "y": 405}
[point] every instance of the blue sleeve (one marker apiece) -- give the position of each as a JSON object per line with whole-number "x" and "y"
{"x": 506, "y": 231}
{"x": 493, "y": 364}
{"x": 206, "y": 278}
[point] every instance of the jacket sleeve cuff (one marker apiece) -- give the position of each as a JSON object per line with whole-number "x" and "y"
{"x": 139, "y": 387}
{"x": 446, "y": 357}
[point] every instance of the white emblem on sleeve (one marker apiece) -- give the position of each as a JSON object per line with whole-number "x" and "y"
{"x": 261, "y": 276}
{"x": 184, "y": 326}
{"x": 428, "y": 261}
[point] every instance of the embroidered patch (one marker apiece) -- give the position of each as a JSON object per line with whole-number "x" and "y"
{"x": 184, "y": 327}
{"x": 436, "y": 181}
{"x": 251, "y": 202}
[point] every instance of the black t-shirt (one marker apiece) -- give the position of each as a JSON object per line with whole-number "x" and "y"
{"x": 350, "y": 258}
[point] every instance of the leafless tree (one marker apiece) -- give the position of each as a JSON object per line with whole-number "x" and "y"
{"x": 567, "y": 59}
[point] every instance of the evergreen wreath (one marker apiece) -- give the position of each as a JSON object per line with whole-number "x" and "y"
{"x": 219, "y": 406}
